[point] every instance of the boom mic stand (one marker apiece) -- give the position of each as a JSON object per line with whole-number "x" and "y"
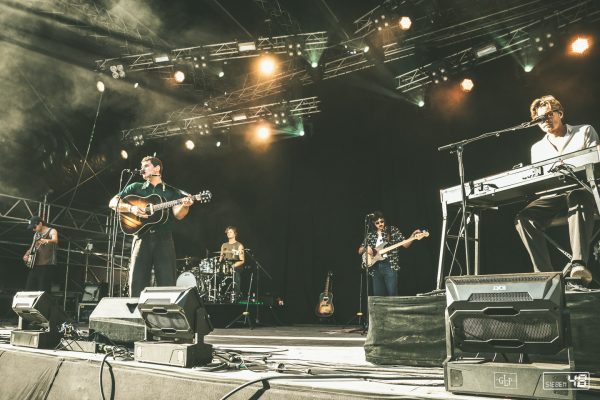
{"x": 458, "y": 148}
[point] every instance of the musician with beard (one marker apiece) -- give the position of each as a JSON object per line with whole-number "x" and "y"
{"x": 153, "y": 248}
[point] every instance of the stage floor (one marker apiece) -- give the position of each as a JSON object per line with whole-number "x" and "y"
{"x": 286, "y": 352}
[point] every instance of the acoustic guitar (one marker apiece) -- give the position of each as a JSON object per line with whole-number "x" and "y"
{"x": 325, "y": 306}
{"x": 381, "y": 250}
{"x": 156, "y": 208}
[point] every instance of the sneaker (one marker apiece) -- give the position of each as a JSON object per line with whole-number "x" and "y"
{"x": 581, "y": 272}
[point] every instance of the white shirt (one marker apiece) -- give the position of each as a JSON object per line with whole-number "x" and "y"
{"x": 577, "y": 137}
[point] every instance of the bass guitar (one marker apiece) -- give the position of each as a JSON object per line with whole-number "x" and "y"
{"x": 31, "y": 257}
{"x": 156, "y": 208}
{"x": 325, "y": 305}
{"x": 381, "y": 250}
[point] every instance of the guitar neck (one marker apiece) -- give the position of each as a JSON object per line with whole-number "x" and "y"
{"x": 395, "y": 246}
{"x": 326, "y": 284}
{"x": 168, "y": 204}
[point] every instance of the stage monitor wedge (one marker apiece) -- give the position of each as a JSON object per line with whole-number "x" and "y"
{"x": 516, "y": 313}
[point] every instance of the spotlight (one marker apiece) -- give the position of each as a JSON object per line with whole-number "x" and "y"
{"x": 189, "y": 144}
{"x": 301, "y": 133}
{"x": 100, "y": 86}
{"x": 124, "y": 154}
{"x": 179, "y": 76}
{"x": 314, "y": 64}
{"x": 421, "y": 103}
{"x": 221, "y": 74}
{"x": 218, "y": 144}
{"x": 405, "y": 23}
{"x": 267, "y": 66}
{"x": 528, "y": 68}
{"x": 467, "y": 85}
{"x": 580, "y": 45}
{"x": 263, "y": 132}
{"x": 136, "y": 85}
{"x": 366, "y": 49}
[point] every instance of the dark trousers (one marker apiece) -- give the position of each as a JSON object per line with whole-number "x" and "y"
{"x": 40, "y": 278}
{"x": 385, "y": 279}
{"x": 531, "y": 222}
{"x": 152, "y": 250}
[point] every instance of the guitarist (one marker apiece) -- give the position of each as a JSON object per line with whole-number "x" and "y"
{"x": 385, "y": 272}
{"x": 41, "y": 255}
{"x": 154, "y": 248}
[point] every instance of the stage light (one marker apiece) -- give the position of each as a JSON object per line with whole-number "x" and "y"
{"x": 221, "y": 74}
{"x": 467, "y": 85}
{"x": 314, "y": 64}
{"x": 267, "y": 66}
{"x": 100, "y": 86}
{"x": 263, "y": 132}
{"x": 301, "y": 133}
{"x": 179, "y": 76}
{"x": 189, "y": 144}
{"x": 366, "y": 49}
{"x": 580, "y": 45}
{"x": 528, "y": 68}
{"x": 136, "y": 85}
{"x": 421, "y": 103}
{"x": 405, "y": 23}
{"x": 124, "y": 154}
{"x": 218, "y": 144}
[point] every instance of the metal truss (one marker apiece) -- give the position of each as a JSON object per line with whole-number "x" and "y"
{"x": 201, "y": 124}
{"x": 278, "y": 16}
{"x": 309, "y": 42}
{"x": 99, "y": 23}
{"x": 523, "y": 20}
{"x": 19, "y": 209}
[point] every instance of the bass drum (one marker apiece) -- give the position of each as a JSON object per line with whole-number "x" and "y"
{"x": 188, "y": 279}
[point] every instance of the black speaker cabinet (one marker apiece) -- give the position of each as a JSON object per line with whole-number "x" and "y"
{"x": 516, "y": 313}
{"x": 118, "y": 319}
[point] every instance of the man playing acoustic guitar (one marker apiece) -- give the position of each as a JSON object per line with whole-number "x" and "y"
{"x": 384, "y": 272}
{"x": 154, "y": 248}
{"x": 41, "y": 256}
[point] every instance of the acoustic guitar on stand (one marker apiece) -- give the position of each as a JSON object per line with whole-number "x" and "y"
{"x": 380, "y": 251}
{"x": 157, "y": 209}
{"x": 325, "y": 306}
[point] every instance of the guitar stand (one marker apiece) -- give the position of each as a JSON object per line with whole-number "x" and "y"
{"x": 244, "y": 317}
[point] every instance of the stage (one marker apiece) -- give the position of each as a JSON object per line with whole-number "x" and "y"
{"x": 291, "y": 354}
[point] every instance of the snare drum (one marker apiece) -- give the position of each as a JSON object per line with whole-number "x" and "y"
{"x": 226, "y": 267}
{"x": 188, "y": 279}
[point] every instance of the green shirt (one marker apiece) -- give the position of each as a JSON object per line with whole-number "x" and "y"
{"x": 166, "y": 192}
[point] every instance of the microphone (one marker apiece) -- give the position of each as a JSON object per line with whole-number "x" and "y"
{"x": 540, "y": 118}
{"x": 133, "y": 171}
{"x": 370, "y": 215}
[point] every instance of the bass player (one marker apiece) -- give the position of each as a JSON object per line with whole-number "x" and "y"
{"x": 41, "y": 255}
{"x": 154, "y": 248}
{"x": 384, "y": 273}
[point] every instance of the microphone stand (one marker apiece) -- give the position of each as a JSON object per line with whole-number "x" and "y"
{"x": 458, "y": 148}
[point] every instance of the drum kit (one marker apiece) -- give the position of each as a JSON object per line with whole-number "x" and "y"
{"x": 213, "y": 278}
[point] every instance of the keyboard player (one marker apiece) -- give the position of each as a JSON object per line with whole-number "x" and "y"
{"x": 578, "y": 205}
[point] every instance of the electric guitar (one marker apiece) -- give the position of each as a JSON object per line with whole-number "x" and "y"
{"x": 381, "y": 250}
{"x": 30, "y": 263}
{"x": 325, "y": 306}
{"x": 156, "y": 208}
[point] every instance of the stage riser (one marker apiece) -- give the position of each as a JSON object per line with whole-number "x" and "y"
{"x": 410, "y": 331}
{"x": 25, "y": 375}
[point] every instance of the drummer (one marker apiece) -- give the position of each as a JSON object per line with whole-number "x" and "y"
{"x": 232, "y": 254}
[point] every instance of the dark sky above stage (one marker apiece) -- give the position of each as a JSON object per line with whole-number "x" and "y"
{"x": 299, "y": 203}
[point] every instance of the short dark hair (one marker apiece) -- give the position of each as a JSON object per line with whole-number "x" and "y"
{"x": 154, "y": 161}
{"x": 233, "y": 228}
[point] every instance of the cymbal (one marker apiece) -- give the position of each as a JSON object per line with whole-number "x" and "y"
{"x": 191, "y": 258}
{"x": 228, "y": 251}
